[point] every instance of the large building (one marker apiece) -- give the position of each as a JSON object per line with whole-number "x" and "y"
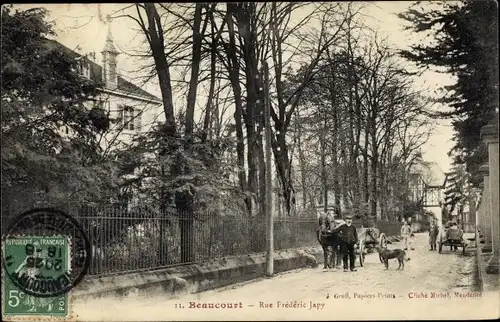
{"x": 133, "y": 109}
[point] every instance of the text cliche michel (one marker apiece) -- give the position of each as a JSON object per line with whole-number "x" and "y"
{"x": 314, "y": 305}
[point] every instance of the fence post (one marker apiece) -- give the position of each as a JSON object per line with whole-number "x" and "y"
{"x": 489, "y": 134}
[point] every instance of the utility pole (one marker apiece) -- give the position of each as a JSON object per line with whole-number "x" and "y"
{"x": 269, "y": 182}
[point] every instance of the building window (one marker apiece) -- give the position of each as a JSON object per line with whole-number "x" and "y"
{"x": 128, "y": 118}
{"x": 84, "y": 68}
{"x": 131, "y": 118}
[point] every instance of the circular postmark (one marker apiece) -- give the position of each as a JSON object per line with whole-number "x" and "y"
{"x": 45, "y": 252}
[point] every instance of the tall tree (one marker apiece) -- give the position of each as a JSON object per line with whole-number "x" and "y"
{"x": 331, "y": 19}
{"x": 465, "y": 45}
{"x": 364, "y": 88}
{"x": 457, "y": 190}
{"x": 181, "y": 174}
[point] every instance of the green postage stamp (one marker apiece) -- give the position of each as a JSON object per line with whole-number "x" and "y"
{"x": 36, "y": 273}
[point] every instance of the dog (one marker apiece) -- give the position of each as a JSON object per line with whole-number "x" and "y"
{"x": 386, "y": 254}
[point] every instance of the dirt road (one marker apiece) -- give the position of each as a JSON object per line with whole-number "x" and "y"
{"x": 431, "y": 286}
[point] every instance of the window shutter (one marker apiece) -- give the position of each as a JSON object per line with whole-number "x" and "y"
{"x": 138, "y": 120}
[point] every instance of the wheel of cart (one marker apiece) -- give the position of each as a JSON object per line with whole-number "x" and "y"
{"x": 452, "y": 243}
{"x": 368, "y": 238}
{"x": 382, "y": 240}
{"x": 361, "y": 251}
{"x": 383, "y": 244}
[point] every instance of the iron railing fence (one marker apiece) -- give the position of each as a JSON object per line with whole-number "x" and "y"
{"x": 125, "y": 240}
{"x": 124, "y": 244}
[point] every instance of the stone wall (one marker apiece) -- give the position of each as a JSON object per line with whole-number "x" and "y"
{"x": 194, "y": 278}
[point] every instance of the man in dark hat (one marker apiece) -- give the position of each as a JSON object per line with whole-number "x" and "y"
{"x": 433, "y": 233}
{"x": 349, "y": 238}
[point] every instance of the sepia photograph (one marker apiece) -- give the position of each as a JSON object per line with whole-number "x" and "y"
{"x": 250, "y": 161}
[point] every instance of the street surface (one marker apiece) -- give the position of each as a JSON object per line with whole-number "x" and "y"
{"x": 431, "y": 286}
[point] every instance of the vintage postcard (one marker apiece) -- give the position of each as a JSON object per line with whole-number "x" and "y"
{"x": 250, "y": 161}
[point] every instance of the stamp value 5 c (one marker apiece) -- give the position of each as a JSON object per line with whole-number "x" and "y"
{"x": 36, "y": 272}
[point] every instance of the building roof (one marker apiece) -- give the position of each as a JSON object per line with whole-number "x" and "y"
{"x": 96, "y": 73}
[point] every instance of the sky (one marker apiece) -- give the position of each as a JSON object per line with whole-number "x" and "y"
{"x": 83, "y": 27}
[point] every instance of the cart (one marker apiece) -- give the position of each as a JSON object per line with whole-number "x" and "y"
{"x": 368, "y": 238}
{"x": 452, "y": 242}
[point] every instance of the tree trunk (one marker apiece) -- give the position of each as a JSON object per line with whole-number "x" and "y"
{"x": 366, "y": 186}
{"x": 374, "y": 170}
{"x": 383, "y": 195}
{"x": 234, "y": 76}
{"x": 262, "y": 177}
{"x": 280, "y": 152}
{"x": 347, "y": 183}
{"x": 334, "y": 130}
{"x": 154, "y": 32}
{"x": 195, "y": 69}
{"x": 210, "y": 100}
{"x": 261, "y": 157}
{"x": 157, "y": 45}
{"x": 355, "y": 118}
{"x": 324, "y": 174}
{"x": 245, "y": 14}
{"x": 302, "y": 165}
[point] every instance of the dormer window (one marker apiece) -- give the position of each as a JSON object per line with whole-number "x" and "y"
{"x": 84, "y": 68}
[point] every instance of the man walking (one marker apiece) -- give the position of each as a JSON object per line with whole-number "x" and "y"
{"x": 406, "y": 234}
{"x": 433, "y": 233}
{"x": 349, "y": 238}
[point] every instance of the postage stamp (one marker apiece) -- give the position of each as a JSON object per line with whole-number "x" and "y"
{"x": 45, "y": 254}
{"x": 37, "y": 273}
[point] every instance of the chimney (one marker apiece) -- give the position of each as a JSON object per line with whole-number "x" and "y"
{"x": 109, "y": 61}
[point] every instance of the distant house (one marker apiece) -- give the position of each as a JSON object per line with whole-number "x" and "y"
{"x": 427, "y": 184}
{"x": 133, "y": 109}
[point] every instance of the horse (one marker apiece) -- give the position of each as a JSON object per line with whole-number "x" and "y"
{"x": 330, "y": 242}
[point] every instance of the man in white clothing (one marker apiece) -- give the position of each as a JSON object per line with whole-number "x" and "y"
{"x": 406, "y": 234}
